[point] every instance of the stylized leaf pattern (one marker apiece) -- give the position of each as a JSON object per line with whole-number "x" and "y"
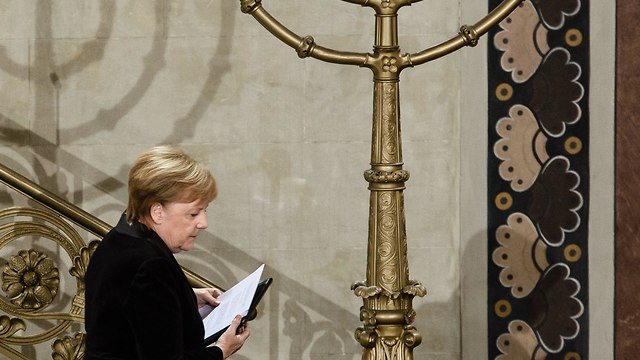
{"x": 539, "y": 303}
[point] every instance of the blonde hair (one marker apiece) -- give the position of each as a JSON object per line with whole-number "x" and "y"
{"x": 166, "y": 174}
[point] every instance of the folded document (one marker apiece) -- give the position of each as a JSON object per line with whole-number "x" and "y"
{"x": 242, "y": 299}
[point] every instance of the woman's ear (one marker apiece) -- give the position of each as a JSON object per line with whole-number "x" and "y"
{"x": 156, "y": 212}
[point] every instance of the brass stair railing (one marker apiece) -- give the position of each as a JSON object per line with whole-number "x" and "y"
{"x": 39, "y": 305}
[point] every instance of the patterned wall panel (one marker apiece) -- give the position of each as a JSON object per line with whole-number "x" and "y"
{"x": 538, "y": 182}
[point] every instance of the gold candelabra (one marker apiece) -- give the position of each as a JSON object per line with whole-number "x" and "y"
{"x": 387, "y": 312}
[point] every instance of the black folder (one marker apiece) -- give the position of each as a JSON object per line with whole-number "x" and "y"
{"x": 262, "y": 288}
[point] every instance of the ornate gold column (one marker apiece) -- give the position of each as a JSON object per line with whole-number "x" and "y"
{"x": 387, "y": 312}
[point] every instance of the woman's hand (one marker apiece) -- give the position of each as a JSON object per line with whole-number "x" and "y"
{"x": 207, "y": 296}
{"x": 233, "y": 339}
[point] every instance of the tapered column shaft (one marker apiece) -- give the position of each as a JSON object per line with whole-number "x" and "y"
{"x": 387, "y": 311}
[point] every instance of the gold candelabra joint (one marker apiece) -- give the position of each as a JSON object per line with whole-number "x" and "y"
{"x": 248, "y": 6}
{"x": 306, "y": 47}
{"x": 469, "y": 35}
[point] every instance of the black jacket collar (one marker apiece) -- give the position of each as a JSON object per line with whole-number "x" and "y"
{"x": 137, "y": 230}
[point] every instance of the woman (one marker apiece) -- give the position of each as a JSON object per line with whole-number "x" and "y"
{"x": 139, "y": 304}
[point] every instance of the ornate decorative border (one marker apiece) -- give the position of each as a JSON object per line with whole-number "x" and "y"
{"x": 538, "y": 182}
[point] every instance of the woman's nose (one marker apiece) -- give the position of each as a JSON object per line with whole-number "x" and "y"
{"x": 202, "y": 222}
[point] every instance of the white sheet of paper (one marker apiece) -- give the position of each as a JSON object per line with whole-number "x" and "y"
{"x": 234, "y": 301}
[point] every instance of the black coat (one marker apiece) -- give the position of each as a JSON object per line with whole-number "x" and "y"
{"x": 139, "y": 304}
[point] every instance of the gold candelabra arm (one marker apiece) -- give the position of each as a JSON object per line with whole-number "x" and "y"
{"x": 468, "y": 35}
{"x": 304, "y": 46}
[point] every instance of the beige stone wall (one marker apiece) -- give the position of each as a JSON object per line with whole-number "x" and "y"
{"x": 85, "y": 86}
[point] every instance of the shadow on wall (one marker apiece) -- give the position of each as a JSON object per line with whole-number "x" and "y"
{"x": 303, "y": 323}
{"x": 34, "y": 150}
{"x": 29, "y": 153}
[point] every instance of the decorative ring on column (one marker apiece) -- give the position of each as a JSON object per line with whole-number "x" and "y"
{"x": 386, "y": 176}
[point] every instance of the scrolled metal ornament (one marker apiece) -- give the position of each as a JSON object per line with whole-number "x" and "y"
{"x": 9, "y": 326}
{"x": 415, "y": 288}
{"x": 411, "y": 337}
{"x": 69, "y": 348}
{"x": 31, "y": 278}
{"x": 366, "y": 337}
{"x": 81, "y": 262}
{"x": 368, "y": 316}
{"x": 361, "y": 289}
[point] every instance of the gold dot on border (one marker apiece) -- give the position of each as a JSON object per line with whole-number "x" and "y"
{"x": 573, "y": 37}
{"x": 572, "y": 356}
{"x": 503, "y": 308}
{"x": 573, "y": 145}
{"x": 504, "y": 201}
{"x": 504, "y": 92}
{"x": 572, "y": 252}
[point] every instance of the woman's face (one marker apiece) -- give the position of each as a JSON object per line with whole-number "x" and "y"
{"x": 179, "y": 223}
